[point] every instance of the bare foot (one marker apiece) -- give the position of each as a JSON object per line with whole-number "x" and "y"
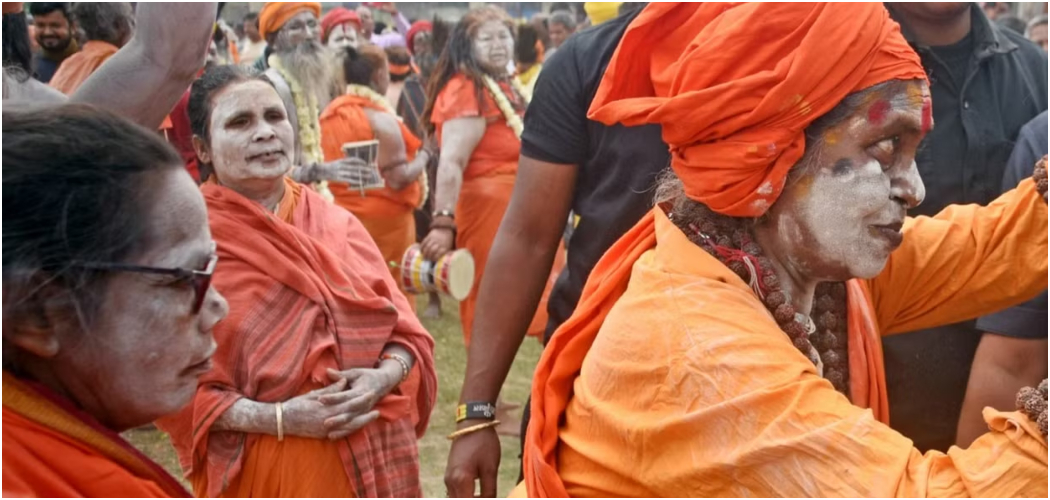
{"x": 433, "y": 310}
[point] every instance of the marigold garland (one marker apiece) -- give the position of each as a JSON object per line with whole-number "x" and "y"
{"x": 504, "y": 105}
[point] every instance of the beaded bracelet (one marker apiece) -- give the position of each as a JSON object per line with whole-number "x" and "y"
{"x": 406, "y": 368}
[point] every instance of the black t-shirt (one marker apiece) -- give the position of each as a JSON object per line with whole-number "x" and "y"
{"x": 618, "y": 165}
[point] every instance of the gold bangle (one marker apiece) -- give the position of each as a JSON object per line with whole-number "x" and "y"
{"x": 474, "y": 428}
{"x": 280, "y": 421}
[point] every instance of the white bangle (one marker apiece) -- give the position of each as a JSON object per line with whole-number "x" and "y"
{"x": 280, "y": 421}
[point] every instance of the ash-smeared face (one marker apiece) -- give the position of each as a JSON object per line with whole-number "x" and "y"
{"x": 251, "y": 137}
{"x": 841, "y": 215}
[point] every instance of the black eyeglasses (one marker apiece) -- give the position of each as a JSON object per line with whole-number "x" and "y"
{"x": 199, "y": 279}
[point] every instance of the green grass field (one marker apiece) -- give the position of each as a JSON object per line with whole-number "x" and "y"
{"x": 451, "y": 360}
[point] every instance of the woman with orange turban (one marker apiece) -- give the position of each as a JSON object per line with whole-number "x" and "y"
{"x": 475, "y": 110}
{"x": 363, "y": 114}
{"x": 728, "y": 345}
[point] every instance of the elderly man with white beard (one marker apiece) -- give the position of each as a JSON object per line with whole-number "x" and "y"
{"x": 300, "y": 68}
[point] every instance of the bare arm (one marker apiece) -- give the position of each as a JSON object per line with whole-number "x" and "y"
{"x": 392, "y": 158}
{"x": 1001, "y": 367}
{"x": 458, "y": 139}
{"x": 526, "y": 242}
{"x": 145, "y": 79}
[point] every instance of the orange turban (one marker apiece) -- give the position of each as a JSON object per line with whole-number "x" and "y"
{"x": 12, "y": 7}
{"x": 735, "y": 85}
{"x": 274, "y": 14}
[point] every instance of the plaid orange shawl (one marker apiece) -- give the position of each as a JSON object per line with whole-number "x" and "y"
{"x": 304, "y": 297}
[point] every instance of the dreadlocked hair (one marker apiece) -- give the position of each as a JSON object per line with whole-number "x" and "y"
{"x": 458, "y": 57}
{"x": 823, "y": 335}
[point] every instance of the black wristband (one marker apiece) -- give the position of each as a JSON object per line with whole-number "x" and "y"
{"x": 475, "y": 410}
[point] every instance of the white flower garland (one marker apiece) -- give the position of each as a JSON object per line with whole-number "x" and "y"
{"x": 504, "y": 105}
{"x": 308, "y": 112}
{"x": 367, "y": 93}
{"x": 379, "y": 100}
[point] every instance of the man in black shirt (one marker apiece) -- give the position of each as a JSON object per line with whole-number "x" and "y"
{"x": 986, "y": 83}
{"x": 604, "y": 174}
{"x": 1013, "y": 349}
{"x": 55, "y": 34}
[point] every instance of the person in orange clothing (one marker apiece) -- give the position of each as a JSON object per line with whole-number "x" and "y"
{"x": 363, "y": 114}
{"x": 107, "y": 322}
{"x": 107, "y": 27}
{"x": 474, "y": 109}
{"x": 729, "y": 344}
{"x": 323, "y": 379}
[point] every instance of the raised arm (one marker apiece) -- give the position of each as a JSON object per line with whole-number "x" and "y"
{"x": 965, "y": 262}
{"x": 144, "y": 80}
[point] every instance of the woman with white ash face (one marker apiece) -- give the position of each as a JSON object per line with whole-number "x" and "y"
{"x": 734, "y": 333}
{"x": 474, "y": 109}
{"x": 323, "y": 378}
{"x": 108, "y": 304}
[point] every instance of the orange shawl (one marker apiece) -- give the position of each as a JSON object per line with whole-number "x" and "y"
{"x": 734, "y": 86}
{"x": 965, "y": 256}
{"x": 497, "y": 153}
{"x": 304, "y": 297}
{"x": 53, "y": 449}
{"x": 345, "y": 120}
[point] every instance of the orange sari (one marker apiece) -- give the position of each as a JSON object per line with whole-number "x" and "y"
{"x": 308, "y": 291}
{"x": 488, "y": 182}
{"x": 388, "y": 215}
{"x": 53, "y": 449}
{"x": 672, "y": 378}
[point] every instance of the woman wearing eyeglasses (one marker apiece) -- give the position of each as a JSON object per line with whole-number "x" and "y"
{"x": 108, "y": 309}
{"x": 321, "y": 366}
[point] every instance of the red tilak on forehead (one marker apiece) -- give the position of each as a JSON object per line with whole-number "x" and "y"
{"x": 878, "y": 111}
{"x": 927, "y": 114}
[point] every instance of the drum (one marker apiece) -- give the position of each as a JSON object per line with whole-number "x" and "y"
{"x": 452, "y": 274}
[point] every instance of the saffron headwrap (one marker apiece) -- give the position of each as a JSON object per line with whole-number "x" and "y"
{"x": 735, "y": 85}
{"x": 274, "y": 14}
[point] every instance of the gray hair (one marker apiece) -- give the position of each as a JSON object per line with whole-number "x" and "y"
{"x": 1038, "y": 20}
{"x": 103, "y": 21}
{"x": 564, "y": 18}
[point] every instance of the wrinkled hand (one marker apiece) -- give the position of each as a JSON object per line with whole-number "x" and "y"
{"x": 437, "y": 243}
{"x": 473, "y": 458}
{"x": 367, "y": 387}
{"x": 312, "y": 414}
{"x": 352, "y": 171}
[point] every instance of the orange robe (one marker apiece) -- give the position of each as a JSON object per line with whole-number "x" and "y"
{"x": 485, "y": 193}
{"x": 308, "y": 291}
{"x": 78, "y": 67}
{"x": 53, "y": 449}
{"x": 672, "y": 378}
{"x": 388, "y": 215}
